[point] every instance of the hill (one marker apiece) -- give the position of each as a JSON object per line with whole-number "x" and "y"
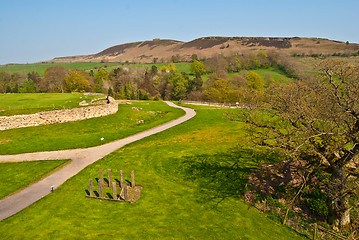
{"x": 162, "y": 50}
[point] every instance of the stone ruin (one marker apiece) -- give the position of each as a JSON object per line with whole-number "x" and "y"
{"x": 129, "y": 192}
{"x": 59, "y": 116}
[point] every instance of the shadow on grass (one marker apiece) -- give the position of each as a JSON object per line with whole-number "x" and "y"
{"x": 224, "y": 175}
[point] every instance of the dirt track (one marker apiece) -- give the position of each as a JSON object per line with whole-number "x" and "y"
{"x": 81, "y": 158}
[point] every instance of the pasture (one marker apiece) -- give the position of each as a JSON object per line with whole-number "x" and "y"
{"x": 188, "y": 193}
{"x": 41, "y": 67}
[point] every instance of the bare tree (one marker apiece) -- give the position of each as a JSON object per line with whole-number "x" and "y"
{"x": 317, "y": 121}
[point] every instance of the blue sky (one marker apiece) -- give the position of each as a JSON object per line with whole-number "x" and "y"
{"x": 39, "y": 30}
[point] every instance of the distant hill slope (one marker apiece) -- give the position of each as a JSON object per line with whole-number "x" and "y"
{"x": 161, "y": 50}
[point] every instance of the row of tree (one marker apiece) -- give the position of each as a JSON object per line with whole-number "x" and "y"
{"x": 164, "y": 83}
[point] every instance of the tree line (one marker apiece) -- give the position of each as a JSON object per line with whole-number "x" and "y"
{"x": 153, "y": 83}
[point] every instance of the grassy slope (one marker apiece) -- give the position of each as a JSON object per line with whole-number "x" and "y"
{"x": 88, "y": 132}
{"x": 26, "y": 103}
{"x": 41, "y": 67}
{"x": 15, "y": 176}
{"x": 171, "y": 205}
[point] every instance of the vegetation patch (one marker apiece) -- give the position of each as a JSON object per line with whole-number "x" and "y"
{"x": 172, "y": 205}
{"x": 15, "y": 176}
{"x": 90, "y": 132}
{"x": 27, "y": 103}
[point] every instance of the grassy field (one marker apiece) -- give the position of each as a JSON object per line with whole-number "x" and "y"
{"x": 185, "y": 172}
{"x": 41, "y": 67}
{"x": 87, "y": 133}
{"x": 26, "y": 103}
{"x": 15, "y": 176}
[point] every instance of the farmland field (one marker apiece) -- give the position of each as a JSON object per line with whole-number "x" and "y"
{"x": 41, "y": 67}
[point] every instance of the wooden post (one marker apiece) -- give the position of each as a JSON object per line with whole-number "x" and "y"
{"x": 114, "y": 190}
{"x": 133, "y": 184}
{"x": 121, "y": 179}
{"x": 285, "y": 217}
{"x": 109, "y": 177}
{"x": 100, "y": 188}
{"x": 101, "y": 176}
{"x": 315, "y": 231}
{"x": 91, "y": 188}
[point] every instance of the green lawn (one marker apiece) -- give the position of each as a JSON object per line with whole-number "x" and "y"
{"x": 177, "y": 169}
{"x": 87, "y": 133}
{"x": 26, "y": 103}
{"x": 15, "y": 176}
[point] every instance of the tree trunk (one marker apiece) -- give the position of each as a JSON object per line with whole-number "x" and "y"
{"x": 338, "y": 202}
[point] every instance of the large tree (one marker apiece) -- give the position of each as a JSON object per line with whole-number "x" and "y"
{"x": 77, "y": 81}
{"x": 53, "y": 79}
{"x": 316, "y": 121}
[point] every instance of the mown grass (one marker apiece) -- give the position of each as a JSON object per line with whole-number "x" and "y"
{"x": 174, "y": 202}
{"x": 15, "y": 176}
{"x": 26, "y": 103}
{"x": 87, "y": 133}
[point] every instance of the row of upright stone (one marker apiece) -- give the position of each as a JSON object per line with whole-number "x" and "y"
{"x": 125, "y": 188}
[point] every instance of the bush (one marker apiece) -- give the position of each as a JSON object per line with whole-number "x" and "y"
{"x": 317, "y": 202}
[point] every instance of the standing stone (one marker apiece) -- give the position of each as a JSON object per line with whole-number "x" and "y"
{"x": 125, "y": 197}
{"x": 121, "y": 179}
{"x": 100, "y": 188}
{"x": 114, "y": 190}
{"x": 109, "y": 177}
{"x": 91, "y": 188}
{"x": 101, "y": 176}
{"x": 133, "y": 178}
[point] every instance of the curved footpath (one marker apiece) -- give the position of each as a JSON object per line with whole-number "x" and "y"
{"x": 81, "y": 158}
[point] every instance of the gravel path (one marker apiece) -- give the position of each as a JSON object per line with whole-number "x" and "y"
{"x": 81, "y": 158}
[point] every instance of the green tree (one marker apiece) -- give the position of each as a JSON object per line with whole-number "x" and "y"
{"x": 34, "y": 76}
{"x": 194, "y": 57}
{"x": 28, "y": 87}
{"x": 77, "y": 81}
{"x": 100, "y": 76}
{"x": 197, "y": 67}
{"x": 316, "y": 121}
{"x": 180, "y": 84}
{"x": 220, "y": 91}
{"x": 255, "y": 81}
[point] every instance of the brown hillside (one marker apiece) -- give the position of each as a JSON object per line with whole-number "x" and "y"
{"x": 162, "y": 50}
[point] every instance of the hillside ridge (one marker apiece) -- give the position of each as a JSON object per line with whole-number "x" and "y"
{"x": 162, "y": 50}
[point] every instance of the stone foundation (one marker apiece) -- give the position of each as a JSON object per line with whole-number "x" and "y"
{"x": 58, "y": 116}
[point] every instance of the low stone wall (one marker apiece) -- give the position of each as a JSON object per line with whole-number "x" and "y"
{"x": 58, "y": 116}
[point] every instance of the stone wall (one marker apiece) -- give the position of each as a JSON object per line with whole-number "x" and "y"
{"x": 58, "y": 116}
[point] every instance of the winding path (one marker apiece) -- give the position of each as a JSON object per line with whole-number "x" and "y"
{"x": 81, "y": 158}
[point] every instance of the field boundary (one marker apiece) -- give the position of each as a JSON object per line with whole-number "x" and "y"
{"x": 58, "y": 116}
